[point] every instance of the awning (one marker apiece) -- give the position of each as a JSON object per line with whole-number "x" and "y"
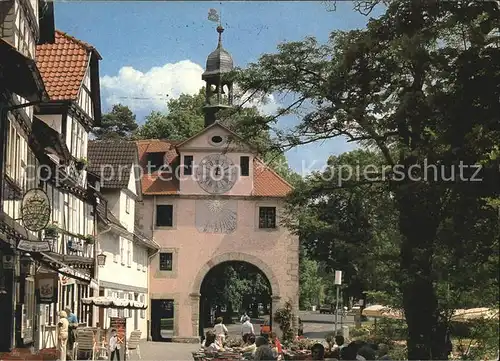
{"x": 20, "y": 74}
{"x": 64, "y": 269}
{"x": 112, "y": 302}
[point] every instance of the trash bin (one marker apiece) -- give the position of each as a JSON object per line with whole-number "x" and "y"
{"x": 314, "y": 308}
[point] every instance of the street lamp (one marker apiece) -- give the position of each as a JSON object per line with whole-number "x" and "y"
{"x": 101, "y": 259}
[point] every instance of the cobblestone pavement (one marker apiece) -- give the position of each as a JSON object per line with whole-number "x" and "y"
{"x": 165, "y": 351}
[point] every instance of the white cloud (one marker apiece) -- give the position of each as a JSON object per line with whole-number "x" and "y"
{"x": 150, "y": 90}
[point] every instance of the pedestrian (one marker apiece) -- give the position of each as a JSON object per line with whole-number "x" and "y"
{"x": 250, "y": 347}
{"x": 114, "y": 346}
{"x": 73, "y": 325}
{"x": 243, "y": 317}
{"x": 220, "y": 330}
{"x": 247, "y": 328}
{"x": 62, "y": 334}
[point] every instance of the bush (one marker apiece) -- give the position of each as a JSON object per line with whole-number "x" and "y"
{"x": 284, "y": 316}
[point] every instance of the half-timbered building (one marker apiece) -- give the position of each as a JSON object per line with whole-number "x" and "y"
{"x": 70, "y": 71}
{"x": 21, "y": 90}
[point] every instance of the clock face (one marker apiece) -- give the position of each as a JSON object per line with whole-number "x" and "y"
{"x": 216, "y": 174}
{"x": 216, "y": 216}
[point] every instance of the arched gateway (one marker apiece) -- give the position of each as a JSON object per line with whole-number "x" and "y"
{"x": 214, "y": 201}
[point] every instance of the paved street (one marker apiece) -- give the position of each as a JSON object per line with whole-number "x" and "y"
{"x": 166, "y": 351}
{"x": 316, "y": 325}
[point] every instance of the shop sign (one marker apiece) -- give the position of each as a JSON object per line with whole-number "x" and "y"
{"x": 46, "y": 285}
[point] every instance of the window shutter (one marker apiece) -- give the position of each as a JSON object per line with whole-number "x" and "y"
{"x": 143, "y": 300}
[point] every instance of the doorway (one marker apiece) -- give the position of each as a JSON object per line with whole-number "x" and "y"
{"x": 162, "y": 320}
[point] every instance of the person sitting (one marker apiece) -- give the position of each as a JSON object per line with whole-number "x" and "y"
{"x": 317, "y": 352}
{"x": 367, "y": 352}
{"x": 250, "y": 347}
{"x": 263, "y": 351}
{"x": 211, "y": 345}
{"x": 383, "y": 352}
{"x": 276, "y": 345}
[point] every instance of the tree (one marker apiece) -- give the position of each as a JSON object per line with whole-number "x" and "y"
{"x": 120, "y": 123}
{"x": 310, "y": 283}
{"x": 420, "y": 84}
{"x": 185, "y": 118}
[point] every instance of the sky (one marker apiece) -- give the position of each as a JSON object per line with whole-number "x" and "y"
{"x": 154, "y": 51}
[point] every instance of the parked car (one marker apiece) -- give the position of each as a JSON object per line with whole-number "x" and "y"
{"x": 327, "y": 309}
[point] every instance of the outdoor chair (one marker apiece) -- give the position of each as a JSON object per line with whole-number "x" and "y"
{"x": 85, "y": 343}
{"x": 133, "y": 343}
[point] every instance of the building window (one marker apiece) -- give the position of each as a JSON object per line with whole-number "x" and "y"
{"x": 129, "y": 253}
{"x": 127, "y": 204}
{"x": 166, "y": 261}
{"x": 122, "y": 252}
{"x": 267, "y": 217}
{"x": 164, "y": 215}
{"x": 142, "y": 298}
{"x": 245, "y": 165}
{"x": 155, "y": 161}
{"x": 188, "y": 165}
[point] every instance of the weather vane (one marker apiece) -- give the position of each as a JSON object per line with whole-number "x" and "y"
{"x": 215, "y": 16}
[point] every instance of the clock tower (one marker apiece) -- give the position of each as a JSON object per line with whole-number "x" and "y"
{"x": 219, "y": 89}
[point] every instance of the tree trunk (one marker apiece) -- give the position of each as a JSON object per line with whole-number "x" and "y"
{"x": 418, "y": 225}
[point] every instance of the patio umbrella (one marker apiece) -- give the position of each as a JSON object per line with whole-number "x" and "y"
{"x": 112, "y": 302}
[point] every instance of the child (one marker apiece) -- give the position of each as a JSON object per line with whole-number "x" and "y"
{"x": 114, "y": 346}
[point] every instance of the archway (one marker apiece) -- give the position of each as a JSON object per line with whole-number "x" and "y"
{"x": 210, "y": 274}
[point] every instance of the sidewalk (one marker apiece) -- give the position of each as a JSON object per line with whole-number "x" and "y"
{"x": 165, "y": 351}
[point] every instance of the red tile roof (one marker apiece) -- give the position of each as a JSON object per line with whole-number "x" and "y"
{"x": 266, "y": 182}
{"x": 63, "y": 65}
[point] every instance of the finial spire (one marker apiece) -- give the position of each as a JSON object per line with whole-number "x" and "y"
{"x": 220, "y": 30}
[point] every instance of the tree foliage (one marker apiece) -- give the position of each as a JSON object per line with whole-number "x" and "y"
{"x": 420, "y": 85}
{"x": 119, "y": 123}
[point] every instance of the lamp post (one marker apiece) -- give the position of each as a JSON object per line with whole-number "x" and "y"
{"x": 338, "y": 283}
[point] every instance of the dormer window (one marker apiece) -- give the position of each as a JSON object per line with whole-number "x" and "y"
{"x": 155, "y": 161}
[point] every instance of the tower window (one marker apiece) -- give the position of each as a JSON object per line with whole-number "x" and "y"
{"x": 155, "y": 160}
{"x": 216, "y": 139}
{"x": 188, "y": 165}
{"x": 245, "y": 166}
{"x": 164, "y": 215}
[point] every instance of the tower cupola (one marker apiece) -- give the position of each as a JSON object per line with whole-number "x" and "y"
{"x": 218, "y": 89}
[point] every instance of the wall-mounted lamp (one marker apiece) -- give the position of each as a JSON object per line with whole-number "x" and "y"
{"x": 101, "y": 259}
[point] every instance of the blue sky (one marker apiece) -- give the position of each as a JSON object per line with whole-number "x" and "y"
{"x": 152, "y": 50}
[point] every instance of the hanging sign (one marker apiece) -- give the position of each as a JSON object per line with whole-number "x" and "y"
{"x": 46, "y": 286}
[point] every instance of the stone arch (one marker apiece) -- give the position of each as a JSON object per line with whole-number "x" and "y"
{"x": 237, "y": 257}
{"x": 230, "y": 257}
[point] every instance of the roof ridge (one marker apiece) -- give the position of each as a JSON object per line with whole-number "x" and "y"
{"x": 82, "y": 43}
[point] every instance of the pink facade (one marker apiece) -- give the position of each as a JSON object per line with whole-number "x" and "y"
{"x": 197, "y": 237}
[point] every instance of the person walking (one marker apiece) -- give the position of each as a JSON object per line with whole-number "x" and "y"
{"x": 114, "y": 346}
{"x": 247, "y": 329}
{"x": 62, "y": 334}
{"x": 220, "y": 330}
